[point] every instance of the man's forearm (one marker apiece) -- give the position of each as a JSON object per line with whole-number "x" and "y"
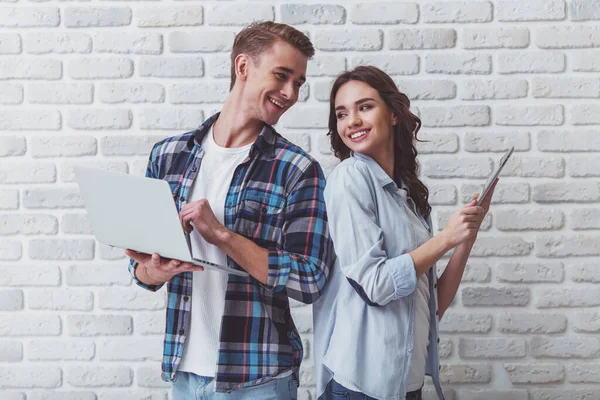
{"x": 142, "y": 276}
{"x": 452, "y": 276}
{"x": 247, "y": 254}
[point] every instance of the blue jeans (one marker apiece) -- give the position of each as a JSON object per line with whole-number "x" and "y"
{"x": 335, "y": 391}
{"x": 188, "y": 386}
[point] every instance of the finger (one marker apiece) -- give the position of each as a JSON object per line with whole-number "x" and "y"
{"x": 155, "y": 260}
{"x": 173, "y": 264}
{"x": 138, "y": 257}
{"x": 473, "y": 210}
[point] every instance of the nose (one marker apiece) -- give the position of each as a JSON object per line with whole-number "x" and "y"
{"x": 354, "y": 120}
{"x": 288, "y": 91}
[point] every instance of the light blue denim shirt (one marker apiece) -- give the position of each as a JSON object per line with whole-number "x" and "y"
{"x": 364, "y": 321}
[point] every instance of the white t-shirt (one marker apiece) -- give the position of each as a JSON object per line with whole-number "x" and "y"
{"x": 208, "y": 287}
{"x": 422, "y": 322}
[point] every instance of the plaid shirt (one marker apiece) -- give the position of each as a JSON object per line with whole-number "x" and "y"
{"x": 276, "y": 200}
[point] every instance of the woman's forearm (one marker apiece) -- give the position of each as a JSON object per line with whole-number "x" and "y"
{"x": 452, "y": 276}
{"x": 430, "y": 252}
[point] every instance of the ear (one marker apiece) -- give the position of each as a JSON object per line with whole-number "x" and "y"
{"x": 242, "y": 62}
{"x": 394, "y": 119}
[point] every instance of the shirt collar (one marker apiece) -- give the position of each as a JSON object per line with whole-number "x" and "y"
{"x": 265, "y": 143}
{"x": 382, "y": 177}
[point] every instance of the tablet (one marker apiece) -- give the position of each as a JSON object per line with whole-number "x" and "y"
{"x": 494, "y": 175}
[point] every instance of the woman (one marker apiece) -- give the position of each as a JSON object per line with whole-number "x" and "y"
{"x": 375, "y": 327}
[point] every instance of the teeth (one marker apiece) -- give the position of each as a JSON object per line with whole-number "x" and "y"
{"x": 276, "y": 103}
{"x": 358, "y": 134}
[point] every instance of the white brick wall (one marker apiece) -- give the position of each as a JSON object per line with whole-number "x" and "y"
{"x": 99, "y": 83}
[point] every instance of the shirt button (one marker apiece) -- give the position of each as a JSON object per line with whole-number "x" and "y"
{"x": 435, "y": 285}
{"x": 194, "y": 169}
{"x": 186, "y": 298}
{"x": 264, "y": 209}
{"x": 438, "y": 340}
{"x": 436, "y": 312}
{"x": 181, "y": 331}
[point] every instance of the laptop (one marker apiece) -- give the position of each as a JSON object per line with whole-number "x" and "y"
{"x": 137, "y": 213}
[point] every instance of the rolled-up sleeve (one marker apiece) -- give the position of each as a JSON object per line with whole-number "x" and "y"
{"x": 359, "y": 241}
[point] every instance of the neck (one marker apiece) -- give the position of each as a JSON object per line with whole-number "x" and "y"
{"x": 234, "y": 128}
{"x": 385, "y": 159}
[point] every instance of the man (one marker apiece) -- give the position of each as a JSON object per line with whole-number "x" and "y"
{"x": 249, "y": 198}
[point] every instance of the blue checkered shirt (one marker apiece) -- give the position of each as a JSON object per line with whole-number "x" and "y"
{"x": 276, "y": 200}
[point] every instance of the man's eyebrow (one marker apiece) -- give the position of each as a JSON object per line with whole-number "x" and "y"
{"x": 291, "y": 72}
{"x": 357, "y": 102}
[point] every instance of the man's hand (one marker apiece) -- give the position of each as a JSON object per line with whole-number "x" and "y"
{"x": 199, "y": 215}
{"x": 156, "y": 270}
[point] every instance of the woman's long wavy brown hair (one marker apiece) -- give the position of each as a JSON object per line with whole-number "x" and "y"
{"x": 405, "y": 132}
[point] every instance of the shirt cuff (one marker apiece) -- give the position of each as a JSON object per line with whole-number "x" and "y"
{"x": 402, "y": 269}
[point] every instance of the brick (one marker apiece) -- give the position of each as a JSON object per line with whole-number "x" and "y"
{"x": 28, "y": 224}
{"x": 195, "y": 93}
{"x": 61, "y": 249}
{"x": 149, "y": 376}
{"x": 429, "y": 38}
{"x": 98, "y": 376}
{"x": 60, "y": 93}
{"x": 565, "y": 394}
{"x": 136, "y": 349}
{"x": 12, "y": 146}
{"x": 96, "y": 119}
{"x": 528, "y": 323}
{"x": 457, "y": 12}
{"x": 128, "y": 43}
{"x": 529, "y": 115}
{"x": 99, "y": 325}
{"x": 442, "y": 194}
{"x": 33, "y": 120}
{"x": 582, "y": 10}
{"x": 488, "y": 296}
{"x": 239, "y": 14}
{"x": 534, "y": 62}
{"x": 585, "y": 218}
{"x": 64, "y": 299}
{"x": 57, "y": 350}
{"x": 29, "y": 276}
{"x": 62, "y": 146}
{"x": 220, "y": 67}
{"x": 29, "y": 68}
{"x": 586, "y": 61}
{"x": 100, "y": 68}
{"x": 97, "y": 275}
{"x": 505, "y": 193}
{"x": 445, "y": 348}
{"x": 68, "y": 175}
{"x": 10, "y": 351}
{"x": 296, "y": 117}
{"x": 9, "y": 199}
{"x": 164, "y": 17}
{"x": 494, "y": 394}
{"x": 564, "y": 141}
{"x": 349, "y": 40}
{"x": 585, "y": 272}
{"x": 10, "y": 93}
{"x": 497, "y": 142}
{"x": 495, "y": 38}
{"x": 131, "y": 299}
{"x": 30, "y": 376}
{"x": 530, "y": 272}
{"x": 321, "y": 91}
{"x": 150, "y": 323}
{"x": 17, "y": 324}
{"x": 28, "y": 172}
{"x": 439, "y": 142}
{"x": 534, "y": 10}
{"x": 110, "y": 253}
{"x": 476, "y": 64}
{"x": 465, "y": 323}
{"x": 568, "y": 37}
{"x": 565, "y": 88}
{"x": 476, "y": 272}
{"x": 583, "y": 373}
{"x": 569, "y": 297}
{"x": 564, "y": 246}
{"x": 173, "y": 67}
{"x": 11, "y": 300}
{"x": 75, "y": 224}
{"x": 80, "y": 17}
{"x": 61, "y": 395}
{"x": 535, "y": 373}
{"x": 491, "y": 348}
{"x": 326, "y": 65}
{"x": 29, "y": 17}
{"x": 115, "y": 93}
{"x": 584, "y": 114}
{"x": 385, "y": 13}
{"x": 455, "y": 116}
{"x": 392, "y": 64}
{"x": 465, "y": 373}
{"x": 453, "y": 167}
{"x": 427, "y": 89}
{"x": 315, "y": 14}
{"x": 59, "y": 43}
{"x": 200, "y": 42}
{"x": 128, "y": 145}
{"x": 587, "y": 322}
{"x": 10, "y": 43}
{"x": 505, "y": 246}
{"x": 565, "y": 347}
{"x": 496, "y": 89}
{"x": 583, "y": 166}
{"x": 537, "y": 167}
{"x": 554, "y": 192}
{"x": 13, "y": 395}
